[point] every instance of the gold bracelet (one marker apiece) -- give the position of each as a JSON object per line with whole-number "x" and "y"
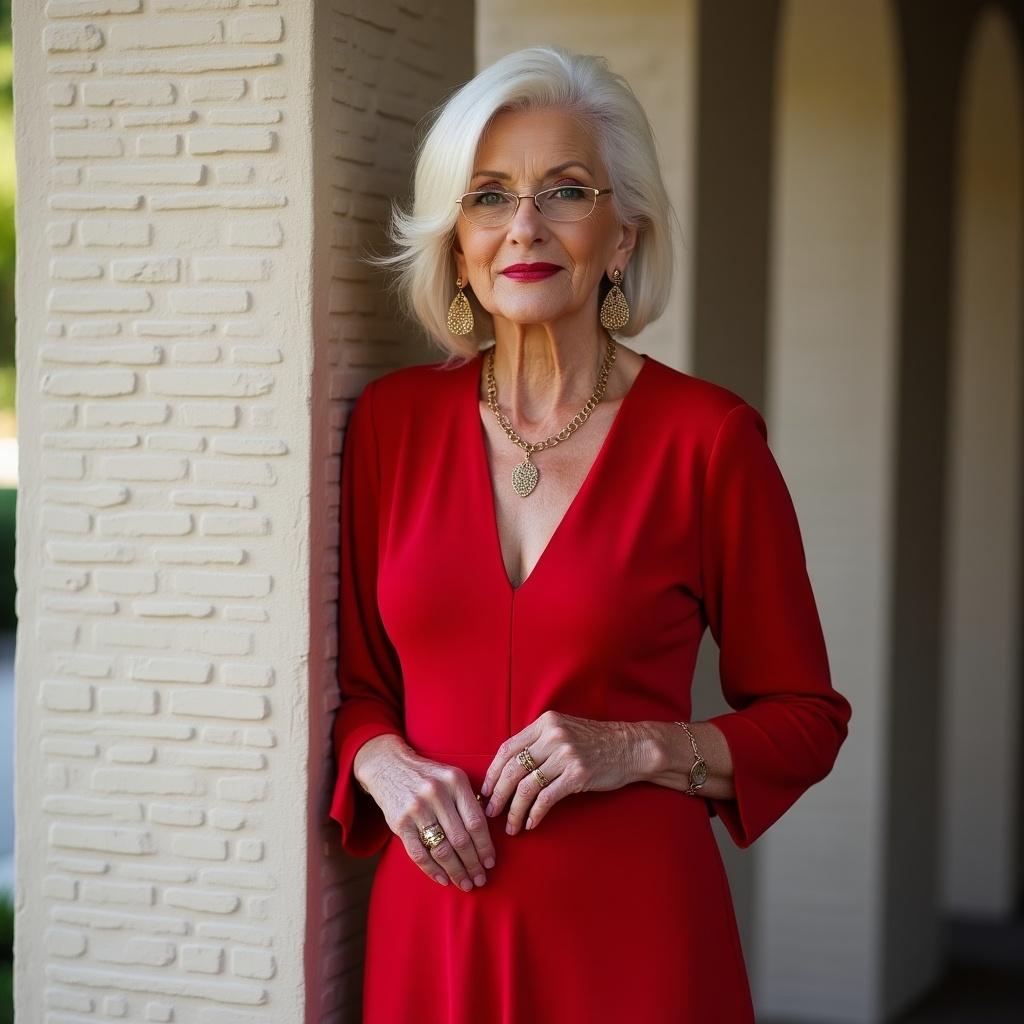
{"x": 699, "y": 768}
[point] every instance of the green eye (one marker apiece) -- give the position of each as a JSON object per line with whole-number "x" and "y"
{"x": 569, "y": 192}
{"x": 481, "y": 199}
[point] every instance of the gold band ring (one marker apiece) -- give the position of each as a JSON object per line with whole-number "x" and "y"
{"x": 432, "y": 835}
{"x": 526, "y": 760}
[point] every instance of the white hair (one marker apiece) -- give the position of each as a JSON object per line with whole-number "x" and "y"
{"x": 534, "y": 78}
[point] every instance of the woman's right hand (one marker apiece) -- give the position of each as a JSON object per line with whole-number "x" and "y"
{"x": 414, "y": 792}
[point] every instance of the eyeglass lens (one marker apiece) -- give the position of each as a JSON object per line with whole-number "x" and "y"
{"x": 493, "y": 207}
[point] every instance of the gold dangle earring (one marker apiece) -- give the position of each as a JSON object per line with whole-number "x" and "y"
{"x": 460, "y": 313}
{"x": 615, "y": 308}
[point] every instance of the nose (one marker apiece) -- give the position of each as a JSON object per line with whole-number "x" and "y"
{"x": 528, "y": 222}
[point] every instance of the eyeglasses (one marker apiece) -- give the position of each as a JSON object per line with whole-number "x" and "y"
{"x": 493, "y": 207}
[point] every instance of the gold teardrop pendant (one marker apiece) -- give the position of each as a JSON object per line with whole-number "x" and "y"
{"x": 525, "y": 477}
{"x": 615, "y": 309}
{"x": 460, "y": 315}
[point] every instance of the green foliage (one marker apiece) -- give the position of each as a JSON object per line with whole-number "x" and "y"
{"x": 6, "y": 994}
{"x": 6, "y": 959}
{"x": 6, "y": 927}
{"x": 7, "y": 258}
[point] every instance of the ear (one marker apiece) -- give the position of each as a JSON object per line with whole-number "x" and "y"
{"x": 460, "y": 259}
{"x": 627, "y": 243}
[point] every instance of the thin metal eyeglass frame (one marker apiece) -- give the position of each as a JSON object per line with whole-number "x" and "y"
{"x": 598, "y": 192}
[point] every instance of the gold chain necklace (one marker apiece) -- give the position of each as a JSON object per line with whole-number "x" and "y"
{"x": 526, "y": 474}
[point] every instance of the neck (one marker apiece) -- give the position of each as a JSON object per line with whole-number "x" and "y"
{"x": 541, "y": 380}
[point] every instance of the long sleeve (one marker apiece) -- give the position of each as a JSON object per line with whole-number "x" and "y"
{"x": 369, "y": 674}
{"x": 789, "y": 723}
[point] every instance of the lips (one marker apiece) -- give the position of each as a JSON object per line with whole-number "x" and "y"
{"x": 530, "y": 271}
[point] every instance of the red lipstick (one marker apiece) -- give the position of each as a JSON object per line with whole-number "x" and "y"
{"x": 531, "y": 271}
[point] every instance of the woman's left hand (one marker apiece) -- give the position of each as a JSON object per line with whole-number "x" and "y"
{"x": 576, "y": 755}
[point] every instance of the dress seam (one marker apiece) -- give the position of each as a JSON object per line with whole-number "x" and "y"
{"x": 511, "y": 645}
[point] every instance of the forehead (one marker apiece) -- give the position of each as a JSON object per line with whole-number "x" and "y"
{"x": 526, "y": 143}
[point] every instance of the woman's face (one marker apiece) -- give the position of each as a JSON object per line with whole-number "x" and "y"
{"x": 516, "y": 154}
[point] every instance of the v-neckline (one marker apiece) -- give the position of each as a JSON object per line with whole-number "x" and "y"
{"x": 484, "y": 471}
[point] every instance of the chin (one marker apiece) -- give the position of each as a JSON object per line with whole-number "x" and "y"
{"x": 532, "y": 315}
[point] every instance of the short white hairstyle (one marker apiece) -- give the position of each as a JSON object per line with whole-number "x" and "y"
{"x": 537, "y": 77}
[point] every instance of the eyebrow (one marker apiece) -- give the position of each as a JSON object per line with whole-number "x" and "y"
{"x": 553, "y": 170}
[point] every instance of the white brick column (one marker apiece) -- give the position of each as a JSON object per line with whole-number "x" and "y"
{"x": 196, "y": 179}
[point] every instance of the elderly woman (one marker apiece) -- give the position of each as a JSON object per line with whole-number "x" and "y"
{"x": 534, "y": 536}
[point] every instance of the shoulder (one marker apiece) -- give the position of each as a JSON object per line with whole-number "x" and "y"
{"x": 412, "y": 392}
{"x": 420, "y": 383}
{"x": 699, "y": 407}
{"x": 411, "y": 406}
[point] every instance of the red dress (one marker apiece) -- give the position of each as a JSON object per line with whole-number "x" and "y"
{"x": 617, "y": 906}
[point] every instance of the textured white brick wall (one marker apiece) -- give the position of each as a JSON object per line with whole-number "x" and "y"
{"x": 197, "y": 179}
{"x": 164, "y": 342}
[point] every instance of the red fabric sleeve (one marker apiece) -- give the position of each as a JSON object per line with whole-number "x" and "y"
{"x": 789, "y": 722}
{"x": 369, "y": 674}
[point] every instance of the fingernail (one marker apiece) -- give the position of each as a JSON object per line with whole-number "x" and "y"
{"x": 467, "y": 885}
{"x": 479, "y": 879}
{"x": 510, "y": 828}
{"x": 489, "y": 863}
{"x": 529, "y": 822}
{"x": 486, "y": 789}
{"x": 490, "y": 809}
{"x": 441, "y": 879}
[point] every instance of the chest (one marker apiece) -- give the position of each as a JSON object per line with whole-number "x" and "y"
{"x": 526, "y": 525}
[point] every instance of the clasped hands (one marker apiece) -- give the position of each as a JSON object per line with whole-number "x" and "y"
{"x": 574, "y": 754}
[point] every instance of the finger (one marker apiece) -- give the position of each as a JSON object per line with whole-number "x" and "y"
{"x": 508, "y": 750}
{"x": 527, "y": 793}
{"x": 469, "y": 831}
{"x": 513, "y": 770}
{"x": 419, "y": 854}
{"x": 509, "y": 777}
{"x": 546, "y": 799}
{"x": 476, "y": 823}
{"x": 429, "y": 809}
{"x": 457, "y": 854}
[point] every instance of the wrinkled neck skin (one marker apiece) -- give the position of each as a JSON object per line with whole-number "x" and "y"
{"x": 546, "y": 372}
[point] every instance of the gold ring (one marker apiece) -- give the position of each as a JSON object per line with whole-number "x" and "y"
{"x": 432, "y": 835}
{"x": 526, "y": 760}
{"x": 540, "y": 777}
